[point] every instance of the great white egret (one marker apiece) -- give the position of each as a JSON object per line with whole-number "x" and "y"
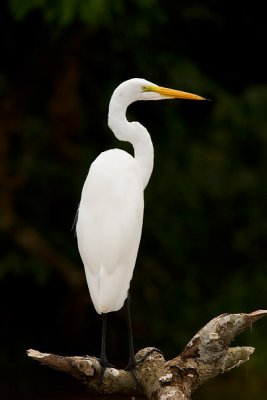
{"x": 110, "y": 214}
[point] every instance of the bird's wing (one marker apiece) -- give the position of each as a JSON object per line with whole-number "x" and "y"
{"x": 109, "y": 227}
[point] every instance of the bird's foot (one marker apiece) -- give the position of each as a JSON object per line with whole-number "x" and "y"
{"x": 104, "y": 365}
{"x": 131, "y": 367}
{"x": 151, "y": 350}
{"x": 133, "y": 363}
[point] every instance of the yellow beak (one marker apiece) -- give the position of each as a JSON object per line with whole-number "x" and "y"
{"x": 176, "y": 94}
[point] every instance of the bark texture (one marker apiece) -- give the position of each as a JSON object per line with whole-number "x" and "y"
{"x": 206, "y": 355}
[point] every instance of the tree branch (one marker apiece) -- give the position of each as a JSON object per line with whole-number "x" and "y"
{"x": 206, "y": 355}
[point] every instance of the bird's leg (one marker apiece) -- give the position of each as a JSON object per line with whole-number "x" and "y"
{"x": 132, "y": 362}
{"x": 103, "y": 356}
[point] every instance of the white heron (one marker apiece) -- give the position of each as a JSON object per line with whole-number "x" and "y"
{"x": 110, "y": 215}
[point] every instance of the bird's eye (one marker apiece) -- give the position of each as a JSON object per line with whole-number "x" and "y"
{"x": 144, "y": 88}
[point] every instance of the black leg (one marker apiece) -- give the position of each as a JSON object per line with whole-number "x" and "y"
{"x": 132, "y": 362}
{"x": 103, "y": 355}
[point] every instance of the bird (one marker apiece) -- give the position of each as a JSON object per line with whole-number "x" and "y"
{"x": 110, "y": 213}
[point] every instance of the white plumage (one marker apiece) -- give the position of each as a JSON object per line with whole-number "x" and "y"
{"x": 109, "y": 227}
{"x": 110, "y": 215}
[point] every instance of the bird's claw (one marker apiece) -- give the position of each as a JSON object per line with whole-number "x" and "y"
{"x": 104, "y": 365}
{"x": 151, "y": 350}
{"x": 133, "y": 363}
{"x": 131, "y": 367}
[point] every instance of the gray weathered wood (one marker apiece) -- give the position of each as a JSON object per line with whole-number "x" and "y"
{"x": 206, "y": 355}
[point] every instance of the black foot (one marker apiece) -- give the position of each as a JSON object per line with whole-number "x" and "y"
{"x": 104, "y": 365}
{"x": 151, "y": 350}
{"x": 131, "y": 367}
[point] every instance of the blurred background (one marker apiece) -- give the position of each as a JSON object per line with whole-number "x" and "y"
{"x": 203, "y": 248}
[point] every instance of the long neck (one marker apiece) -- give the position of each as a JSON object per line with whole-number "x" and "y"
{"x": 132, "y": 132}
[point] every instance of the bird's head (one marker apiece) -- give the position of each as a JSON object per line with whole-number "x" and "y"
{"x": 140, "y": 89}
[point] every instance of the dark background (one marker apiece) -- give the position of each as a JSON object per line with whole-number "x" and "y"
{"x": 203, "y": 248}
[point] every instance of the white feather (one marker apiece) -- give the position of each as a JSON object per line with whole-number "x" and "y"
{"x": 109, "y": 227}
{"x": 110, "y": 215}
